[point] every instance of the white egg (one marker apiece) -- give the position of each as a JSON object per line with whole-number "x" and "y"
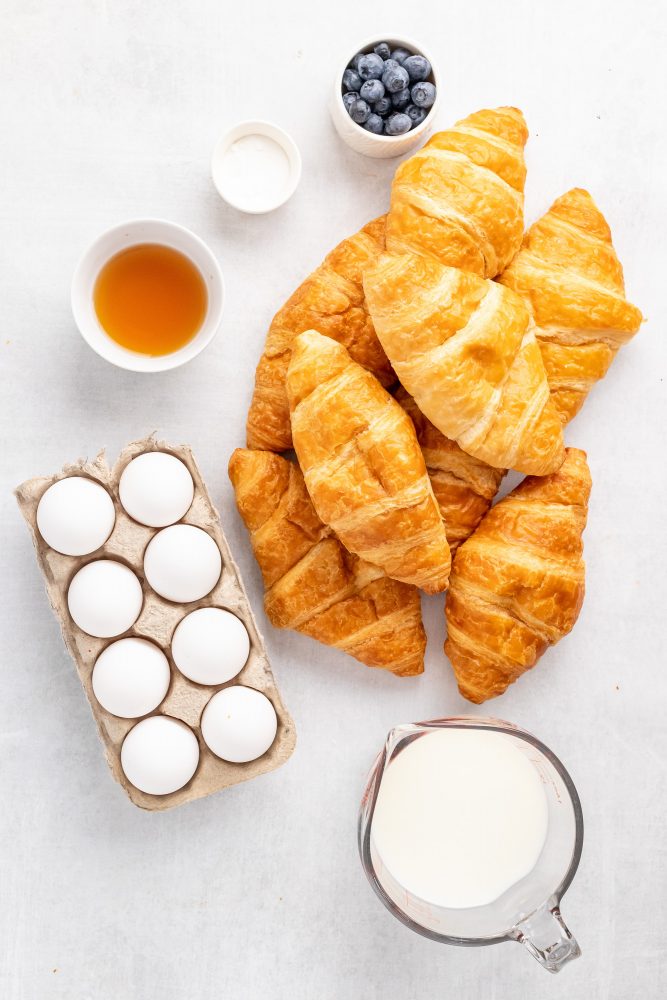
{"x": 131, "y": 677}
{"x": 105, "y": 598}
{"x": 159, "y": 755}
{"x": 75, "y": 516}
{"x": 210, "y": 646}
{"x": 156, "y": 489}
{"x": 239, "y": 724}
{"x": 182, "y": 563}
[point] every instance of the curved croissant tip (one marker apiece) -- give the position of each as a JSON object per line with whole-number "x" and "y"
{"x": 309, "y": 338}
{"x": 574, "y": 195}
{"x": 235, "y": 459}
{"x": 575, "y": 464}
{"x": 240, "y": 460}
{"x": 505, "y": 121}
{"x": 314, "y": 359}
{"x": 500, "y": 110}
{"x": 517, "y": 113}
{"x": 574, "y": 456}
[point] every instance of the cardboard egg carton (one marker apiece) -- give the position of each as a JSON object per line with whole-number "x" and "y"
{"x": 184, "y": 700}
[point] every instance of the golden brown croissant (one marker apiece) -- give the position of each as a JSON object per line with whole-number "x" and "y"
{"x": 313, "y": 584}
{"x": 330, "y": 300}
{"x": 363, "y": 466}
{"x": 460, "y": 198}
{"x": 463, "y": 486}
{"x": 569, "y": 274}
{"x": 465, "y": 349}
{"x": 517, "y": 583}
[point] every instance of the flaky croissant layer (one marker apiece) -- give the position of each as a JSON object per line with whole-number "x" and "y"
{"x": 363, "y": 466}
{"x": 517, "y": 583}
{"x": 331, "y": 300}
{"x": 568, "y": 273}
{"x": 463, "y": 486}
{"x": 313, "y": 585}
{"x": 459, "y": 199}
{"x": 465, "y": 349}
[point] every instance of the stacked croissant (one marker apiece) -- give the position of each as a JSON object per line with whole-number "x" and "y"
{"x": 428, "y": 354}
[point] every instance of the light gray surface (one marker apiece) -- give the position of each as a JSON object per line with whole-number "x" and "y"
{"x": 109, "y": 111}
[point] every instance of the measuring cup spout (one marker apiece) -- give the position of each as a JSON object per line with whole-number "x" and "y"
{"x": 547, "y": 938}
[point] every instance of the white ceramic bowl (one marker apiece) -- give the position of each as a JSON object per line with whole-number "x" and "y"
{"x": 382, "y": 146}
{"x": 120, "y": 238}
{"x": 271, "y": 131}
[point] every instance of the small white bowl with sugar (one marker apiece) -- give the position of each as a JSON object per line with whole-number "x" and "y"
{"x": 256, "y": 167}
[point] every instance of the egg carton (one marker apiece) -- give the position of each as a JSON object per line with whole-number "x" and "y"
{"x": 185, "y": 700}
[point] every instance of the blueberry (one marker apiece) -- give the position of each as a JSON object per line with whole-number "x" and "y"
{"x": 382, "y": 50}
{"x": 401, "y": 99}
{"x": 351, "y": 79}
{"x": 372, "y": 91}
{"x": 400, "y": 55}
{"x": 418, "y": 67}
{"x": 374, "y": 124}
{"x": 394, "y": 79}
{"x": 382, "y": 106}
{"x": 359, "y": 112}
{"x": 370, "y": 67}
{"x": 415, "y": 114}
{"x": 349, "y": 99}
{"x": 354, "y": 61}
{"x": 423, "y": 95}
{"x": 397, "y": 124}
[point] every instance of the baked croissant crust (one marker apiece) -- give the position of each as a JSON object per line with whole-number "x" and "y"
{"x": 463, "y": 486}
{"x": 363, "y": 466}
{"x": 517, "y": 583}
{"x": 568, "y": 273}
{"x": 331, "y": 300}
{"x": 465, "y": 350}
{"x": 459, "y": 199}
{"x": 312, "y": 583}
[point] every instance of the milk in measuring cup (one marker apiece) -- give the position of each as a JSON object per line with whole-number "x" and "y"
{"x": 461, "y": 816}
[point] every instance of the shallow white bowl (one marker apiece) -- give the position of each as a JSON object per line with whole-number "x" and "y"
{"x": 382, "y": 146}
{"x": 120, "y": 238}
{"x": 256, "y": 127}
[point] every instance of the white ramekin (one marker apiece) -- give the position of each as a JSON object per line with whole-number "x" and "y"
{"x": 256, "y": 127}
{"x": 120, "y": 238}
{"x": 381, "y": 146}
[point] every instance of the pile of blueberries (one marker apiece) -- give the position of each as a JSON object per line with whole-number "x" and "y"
{"x": 386, "y": 92}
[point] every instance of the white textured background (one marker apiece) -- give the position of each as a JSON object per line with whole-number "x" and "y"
{"x": 110, "y": 110}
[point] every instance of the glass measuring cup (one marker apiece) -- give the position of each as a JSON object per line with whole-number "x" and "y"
{"x": 527, "y": 912}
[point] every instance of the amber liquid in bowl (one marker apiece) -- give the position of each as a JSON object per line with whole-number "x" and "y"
{"x": 150, "y": 299}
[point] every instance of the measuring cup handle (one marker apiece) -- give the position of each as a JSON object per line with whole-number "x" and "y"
{"x": 547, "y": 938}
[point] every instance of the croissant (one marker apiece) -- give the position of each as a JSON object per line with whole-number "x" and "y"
{"x": 517, "y": 583}
{"x": 460, "y": 198}
{"x": 332, "y": 301}
{"x": 465, "y": 349}
{"x": 568, "y": 272}
{"x": 463, "y": 486}
{"x": 312, "y": 583}
{"x": 363, "y": 466}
